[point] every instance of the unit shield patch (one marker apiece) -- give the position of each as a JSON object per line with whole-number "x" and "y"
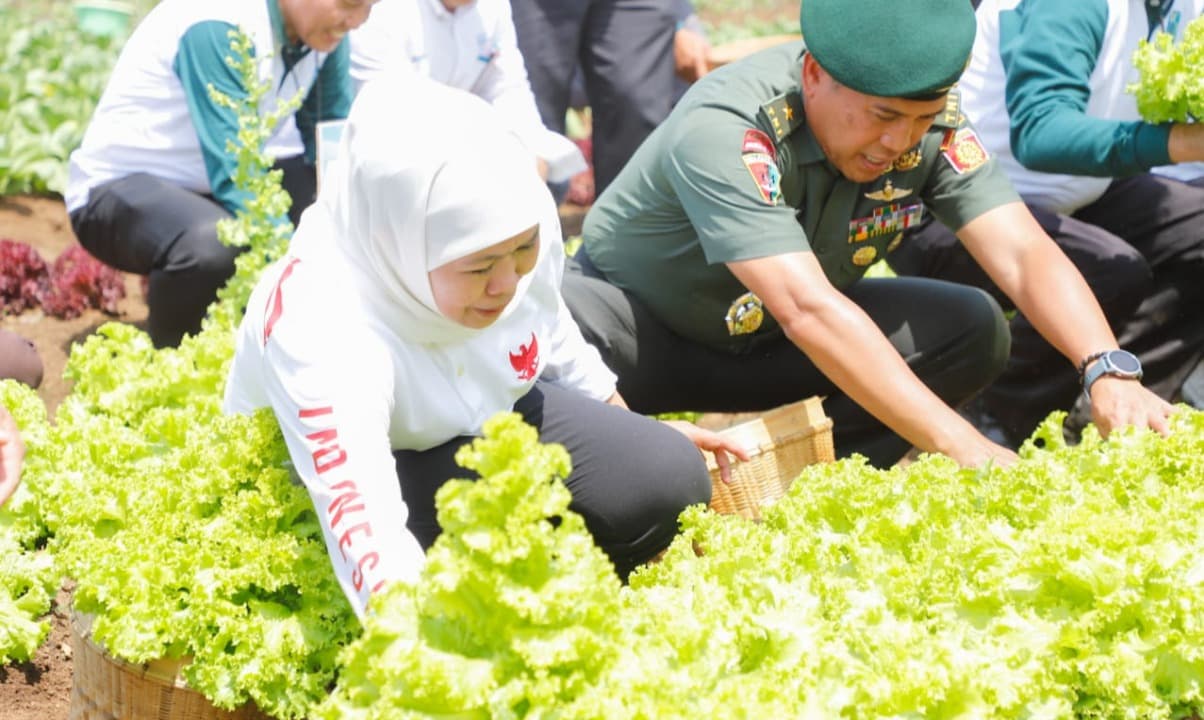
{"x": 761, "y": 158}
{"x": 963, "y": 150}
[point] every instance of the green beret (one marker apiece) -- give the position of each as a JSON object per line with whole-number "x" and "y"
{"x": 890, "y": 48}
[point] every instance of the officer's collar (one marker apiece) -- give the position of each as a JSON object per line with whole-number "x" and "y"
{"x": 808, "y": 147}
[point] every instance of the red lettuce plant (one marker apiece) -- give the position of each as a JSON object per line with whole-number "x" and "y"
{"x": 23, "y": 277}
{"x": 79, "y": 281}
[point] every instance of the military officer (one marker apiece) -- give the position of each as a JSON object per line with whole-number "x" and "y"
{"x": 725, "y": 262}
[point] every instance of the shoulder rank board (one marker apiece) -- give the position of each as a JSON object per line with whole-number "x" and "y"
{"x": 784, "y": 113}
{"x": 951, "y": 116}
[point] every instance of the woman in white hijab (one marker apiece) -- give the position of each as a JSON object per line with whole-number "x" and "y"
{"x": 420, "y": 296}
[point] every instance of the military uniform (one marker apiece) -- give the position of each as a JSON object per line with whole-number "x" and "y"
{"x": 735, "y": 173}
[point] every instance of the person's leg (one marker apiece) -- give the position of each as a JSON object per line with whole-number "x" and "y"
{"x": 141, "y": 224}
{"x": 631, "y": 476}
{"x": 549, "y": 34}
{"x": 953, "y": 337}
{"x": 1163, "y": 220}
{"x": 1038, "y": 379}
{"x": 627, "y": 58}
{"x": 300, "y": 180}
{"x": 19, "y": 360}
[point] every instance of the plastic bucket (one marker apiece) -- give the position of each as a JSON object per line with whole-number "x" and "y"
{"x": 109, "y": 18}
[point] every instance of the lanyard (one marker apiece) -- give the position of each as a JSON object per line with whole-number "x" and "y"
{"x": 1161, "y": 18}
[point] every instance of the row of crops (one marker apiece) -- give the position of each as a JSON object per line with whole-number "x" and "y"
{"x": 1068, "y": 585}
{"x": 51, "y": 75}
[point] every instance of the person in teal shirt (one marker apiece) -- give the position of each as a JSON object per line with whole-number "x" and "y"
{"x": 153, "y": 175}
{"x": 1123, "y": 197}
{"x": 723, "y": 269}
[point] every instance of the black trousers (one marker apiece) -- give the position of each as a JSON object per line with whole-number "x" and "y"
{"x": 632, "y": 476}
{"x": 625, "y": 50}
{"x": 1140, "y": 247}
{"x": 953, "y": 337}
{"x": 144, "y": 225}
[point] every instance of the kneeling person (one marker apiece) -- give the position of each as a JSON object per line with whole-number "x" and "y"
{"x": 734, "y": 243}
{"x": 421, "y": 296}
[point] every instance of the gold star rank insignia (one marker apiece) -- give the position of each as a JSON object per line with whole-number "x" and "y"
{"x": 784, "y": 114}
{"x": 888, "y": 193}
{"x": 865, "y": 256}
{"x": 745, "y": 315}
{"x": 909, "y": 160}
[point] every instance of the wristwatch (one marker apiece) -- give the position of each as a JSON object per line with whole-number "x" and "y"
{"x": 1115, "y": 363}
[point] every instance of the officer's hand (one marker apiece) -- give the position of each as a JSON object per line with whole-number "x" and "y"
{"x": 981, "y": 452}
{"x": 709, "y": 441}
{"x": 970, "y": 448}
{"x": 12, "y": 455}
{"x": 1117, "y": 402}
{"x": 690, "y": 52}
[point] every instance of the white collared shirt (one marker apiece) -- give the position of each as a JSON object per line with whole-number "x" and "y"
{"x": 474, "y": 48}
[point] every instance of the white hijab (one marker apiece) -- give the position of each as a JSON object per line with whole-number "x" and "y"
{"x": 425, "y": 174}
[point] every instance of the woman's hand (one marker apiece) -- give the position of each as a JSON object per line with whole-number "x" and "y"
{"x": 12, "y": 455}
{"x": 710, "y": 441}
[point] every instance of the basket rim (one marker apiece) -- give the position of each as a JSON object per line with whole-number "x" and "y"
{"x": 758, "y": 437}
{"x": 164, "y": 671}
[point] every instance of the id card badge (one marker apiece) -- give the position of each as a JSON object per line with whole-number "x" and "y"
{"x": 329, "y": 134}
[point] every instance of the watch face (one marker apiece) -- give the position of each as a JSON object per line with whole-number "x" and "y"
{"x": 1124, "y": 362}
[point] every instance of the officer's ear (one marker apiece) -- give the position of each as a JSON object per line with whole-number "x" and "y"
{"x": 814, "y": 77}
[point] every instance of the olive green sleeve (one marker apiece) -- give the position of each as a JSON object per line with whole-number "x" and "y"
{"x": 965, "y": 180}
{"x": 729, "y": 188}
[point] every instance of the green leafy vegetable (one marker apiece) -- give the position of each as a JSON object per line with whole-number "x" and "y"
{"x": 1170, "y": 87}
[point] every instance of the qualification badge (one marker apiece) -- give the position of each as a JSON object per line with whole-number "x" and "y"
{"x": 864, "y": 256}
{"x": 745, "y": 315}
{"x": 888, "y": 193}
{"x": 895, "y": 242}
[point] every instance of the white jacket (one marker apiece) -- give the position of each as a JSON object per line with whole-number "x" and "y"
{"x": 341, "y": 337}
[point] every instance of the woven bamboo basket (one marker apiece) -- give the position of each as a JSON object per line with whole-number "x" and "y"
{"x": 105, "y": 688}
{"x": 780, "y": 444}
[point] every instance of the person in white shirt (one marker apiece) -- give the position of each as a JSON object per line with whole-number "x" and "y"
{"x": 467, "y": 44}
{"x": 419, "y": 297}
{"x": 153, "y": 175}
{"x": 1046, "y": 88}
